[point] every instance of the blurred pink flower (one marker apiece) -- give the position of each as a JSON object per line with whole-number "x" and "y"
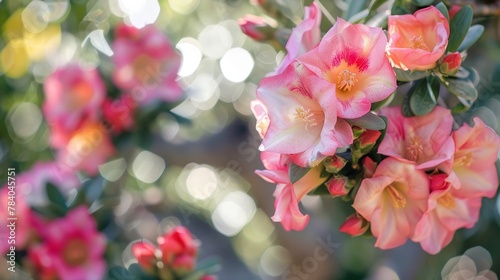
{"x": 146, "y": 64}
{"x": 288, "y": 195}
{"x": 73, "y": 246}
{"x": 302, "y": 108}
{"x": 425, "y": 140}
{"x": 417, "y": 41}
{"x": 119, "y": 113}
{"x": 72, "y": 94}
{"x": 351, "y": 56}
{"x": 448, "y": 210}
{"x": 145, "y": 253}
{"x": 179, "y": 250}
{"x": 305, "y": 36}
{"x": 87, "y": 148}
{"x": 393, "y": 200}
{"x": 476, "y": 150}
{"x": 14, "y": 206}
{"x": 255, "y": 27}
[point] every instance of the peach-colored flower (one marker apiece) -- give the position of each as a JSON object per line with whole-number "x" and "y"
{"x": 476, "y": 150}
{"x": 351, "y": 57}
{"x": 417, "y": 41}
{"x": 288, "y": 195}
{"x": 146, "y": 64}
{"x": 88, "y": 147}
{"x": 72, "y": 94}
{"x": 448, "y": 210}
{"x": 302, "y": 108}
{"x": 425, "y": 140}
{"x": 305, "y": 36}
{"x": 73, "y": 246}
{"x": 393, "y": 200}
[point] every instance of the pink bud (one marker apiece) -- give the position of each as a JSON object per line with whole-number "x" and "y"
{"x": 438, "y": 182}
{"x": 256, "y": 28}
{"x": 144, "y": 252}
{"x": 450, "y": 63}
{"x": 184, "y": 264}
{"x": 354, "y": 225}
{"x": 369, "y": 167}
{"x": 339, "y": 185}
{"x": 334, "y": 163}
{"x": 369, "y": 138}
{"x": 175, "y": 243}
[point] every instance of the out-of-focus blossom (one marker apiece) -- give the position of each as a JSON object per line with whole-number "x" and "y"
{"x": 87, "y": 148}
{"x": 119, "y": 113}
{"x": 302, "y": 109}
{"x": 425, "y": 140}
{"x": 41, "y": 264}
{"x": 448, "y": 210}
{"x": 476, "y": 150}
{"x": 305, "y": 36}
{"x": 145, "y": 253}
{"x": 417, "y": 41}
{"x": 14, "y": 206}
{"x": 450, "y": 63}
{"x": 72, "y": 94}
{"x": 256, "y": 27}
{"x": 179, "y": 250}
{"x": 146, "y": 64}
{"x": 393, "y": 201}
{"x": 351, "y": 57}
{"x": 73, "y": 247}
{"x": 354, "y": 225}
{"x": 287, "y": 194}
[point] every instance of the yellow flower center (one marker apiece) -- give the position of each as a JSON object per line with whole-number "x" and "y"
{"x": 447, "y": 200}
{"x": 305, "y": 116}
{"x": 397, "y": 198}
{"x": 75, "y": 252}
{"x": 346, "y": 79}
{"x": 464, "y": 159}
{"x": 417, "y": 42}
{"x": 415, "y": 148}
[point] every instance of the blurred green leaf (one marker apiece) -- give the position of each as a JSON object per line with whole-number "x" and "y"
{"x": 400, "y": 7}
{"x": 405, "y": 107}
{"x": 459, "y": 26}
{"x": 422, "y": 3}
{"x": 444, "y": 10}
{"x": 472, "y": 36}
{"x": 296, "y": 172}
{"x": 56, "y": 197}
{"x": 374, "y": 6}
{"x": 463, "y": 88}
{"x": 408, "y": 76}
{"x": 424, "y": 96}
{"x": 359, "y": 17}
{"x": 368, "y": 121}
{"x": 355, "y": 7}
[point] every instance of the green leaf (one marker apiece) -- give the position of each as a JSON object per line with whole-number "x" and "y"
{"x": 408, "y": 76}
{"x": 374, "y": 6}
{"x": 355, "y": 7}
{"x": 472, "y": 36}
{"x": 400, "y": 7}
{"x": 422, "y": 3}
{"x": 459, "y": 27}
{"x": 55, "y": 196}
{"x": 368, "y": 121}
{"x": 463, "y": 88}
{"x": 296, "y": 172}
{"x": 424, "y": 96}
{"x": 357, "y": 18}
{"x": 321, "y": 190}
{"x": 442, "y": 8}
{"x": 405, "y": 107}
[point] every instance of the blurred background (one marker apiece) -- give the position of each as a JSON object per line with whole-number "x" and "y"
{"x": 197, "y": 169}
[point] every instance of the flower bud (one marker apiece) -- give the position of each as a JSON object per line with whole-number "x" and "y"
{"x": 339, "y": 185}
{"x": 450, "y": 63}
{"x": 334, "y": 164}
{"x": 184, "y": 264}
{"x": 369, "y": 167}
{"x": 144, "y": 252}
{"x": 256, "y": 28}
{"x": 177, "y": 243}
{"x": 354, "y": 225}
{"x": 363, "y": 145}
{"x": 438, "y": 182}
{"x": 357, "y": 131}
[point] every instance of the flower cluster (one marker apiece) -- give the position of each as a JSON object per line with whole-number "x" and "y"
{"x": 173, "y": 258}
{"x": 409, "y": 174}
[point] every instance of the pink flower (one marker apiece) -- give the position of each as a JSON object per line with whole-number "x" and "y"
{"x": 256, "y": 27}
{"x": 425, "y": 140}
{"x": 393, "y": 200}
{"x": 351, "y": 56}
{"x": 87, "y": 148}
{"x": 73, "y": 246}
{"x": 448, "y": 210}
{"x": 145, "y": 253}
{"x": 72, "y": 94}
{"x": 179, "y": 250}
{"x": 417, "y": 41}
{"x": 305, "y": 36}
{"x": 450, "y": 63}
{"x": 287, "y": 194}
{"x": 476, "y": 150}
{"x": 14, "y": 206}
{"x": 146, "y": 64}
{"x": 354, "y": 225}
{"x": 119, "y": 113}
{"x": 302, "y": 108}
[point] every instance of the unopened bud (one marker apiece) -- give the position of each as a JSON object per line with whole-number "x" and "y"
{"x": 334, "y": 164}
{"x": 450, "y": 63}
{"x": 354, "y": 225}
{"x": 369, "y": 167}
{"x": 144, "y": 252}
{"x": 256, "y": 28}
{"x": 340, "y": 185}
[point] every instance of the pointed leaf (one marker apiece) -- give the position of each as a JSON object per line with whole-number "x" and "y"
{"x": 459, "y": 27}
{"x": 472, "y": 36}
{"x": 463, "y": 88}
{"x": 368, "y": 121}
{"x": 55, "y": 196}
{"x": 296, "y": 172}
{"x": 422, "y": 3}
{"x": 424, "y": 96}
{"x": 444, "y": 10}
{"x": 408, "y": 76}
